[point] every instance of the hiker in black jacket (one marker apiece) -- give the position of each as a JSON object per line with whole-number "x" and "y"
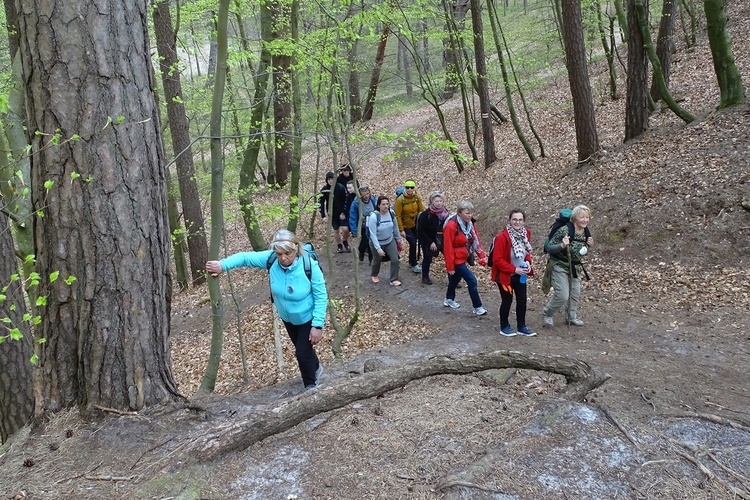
{"x": 430, "y": 232}
{"x": 339, "y": 219}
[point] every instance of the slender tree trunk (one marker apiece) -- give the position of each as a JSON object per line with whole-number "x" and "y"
{"x": 455, "y": 14}
{"x": 406, "y": 61}
{"x": 294, "y": 202}
{"x": 166, "y": 44}
{"x": 105, "y": 218}
{"x": 658, "y": 76}
{"x": 587, "y": 139}
{"x": 178, "y": 237}
{"x": 375, "y": 79}
{"x": 622, "y": 19}
{"x": 664, "y": 44}
{"x": 488, "y": 137}
{"x": 607, "y": 52}
{"x": 217, "y": 202}
{"x": 355, "y": 99}
{"x": 496, "y": 31}
{"x": 636, "y": 101}
{"x": 282, "y": 93}
{"x": 255, "y": 133}
{"x": 727, "y": 74}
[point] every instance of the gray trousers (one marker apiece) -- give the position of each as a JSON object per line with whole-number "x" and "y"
{"x": 564, "y": 288}
{"x": 392, "y": 252}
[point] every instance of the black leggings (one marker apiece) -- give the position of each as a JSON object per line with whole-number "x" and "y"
{"x": 507, "y": 299}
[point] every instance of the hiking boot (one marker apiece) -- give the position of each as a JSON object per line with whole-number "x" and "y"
{"x": 416, "y": 268}
{"x": 318, "y": 373}
{"x": 507, "y": 331}
{"x": 575, "y": 321}
{"x": 310, "y": 387}
{"x": 526, "y": 331}
{"x": 548, "y": 321}
{"x": 347, "y": 248}
{"x": 426, "y": 280}
{"x": 362, "y": 257}
{"x": 340, "y": 249}
{"x": 451, "y": 303}
{"x": 480, "y": 311}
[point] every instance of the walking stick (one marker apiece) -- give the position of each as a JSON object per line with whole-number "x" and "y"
{"x": 570, "y": 286}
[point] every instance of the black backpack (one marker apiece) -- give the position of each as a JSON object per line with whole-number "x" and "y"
{"x": 307, "y": 257}
{"x": 563, "y": 219}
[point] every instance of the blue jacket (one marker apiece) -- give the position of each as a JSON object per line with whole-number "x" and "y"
{"x": 298, "y": 300}
{"x": 354, "y": 214}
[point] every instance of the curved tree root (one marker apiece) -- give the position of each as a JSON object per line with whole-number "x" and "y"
{"x": 238, "y": 435}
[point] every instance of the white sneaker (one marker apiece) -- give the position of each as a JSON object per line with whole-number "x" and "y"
{"x": 451, "y": 303}
{"x": 480, "y": 311}
{"x": 416, "y": 268}
{"x": 576, "y": 322}
{"x": 548, "y": 320}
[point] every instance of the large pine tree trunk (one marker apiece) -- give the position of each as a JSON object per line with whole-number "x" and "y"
{"x": 730, "y": 81}
{"x": 587, "y": 138}
{"x": 91, "y": 81}
{"x": 179, "y": 128}
{"x": 636, "y": 101}
{"x": 16, "y": 393}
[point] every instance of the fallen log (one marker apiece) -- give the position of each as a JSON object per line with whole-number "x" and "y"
{"x": 240, "y": 434}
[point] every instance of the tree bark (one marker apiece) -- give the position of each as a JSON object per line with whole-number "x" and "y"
{"x": 282, "y": 92}
{"x": 179, "y": 128}
{"x": 664, "y": 45}
{"x": 587, "y": 139}
{"x": 89, "y": 89}
{"x": 375, "y": 79}
{"x": 727, "y": 74}
{"x": 16, "y": 390}
{"x": 217, "y": 201}
{"x": 488, "y": 137}
{"x": 636, "y": 100}
{"x": 238, "y": 435}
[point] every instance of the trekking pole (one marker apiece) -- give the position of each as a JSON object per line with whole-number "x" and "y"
{"x": 570, "y": 286}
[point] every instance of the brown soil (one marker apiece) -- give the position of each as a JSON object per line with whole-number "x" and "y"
{"x": 667, "y": 317}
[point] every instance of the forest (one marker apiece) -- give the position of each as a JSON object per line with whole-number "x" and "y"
{"x": 143, "y": 140}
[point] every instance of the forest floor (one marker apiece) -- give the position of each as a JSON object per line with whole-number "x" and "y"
{"x": 667, "y": 315}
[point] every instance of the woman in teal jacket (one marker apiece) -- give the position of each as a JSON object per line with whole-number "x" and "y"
{"x": 300, "y": 301}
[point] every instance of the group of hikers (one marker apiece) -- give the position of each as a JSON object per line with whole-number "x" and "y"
{"x": 298, "y": 287}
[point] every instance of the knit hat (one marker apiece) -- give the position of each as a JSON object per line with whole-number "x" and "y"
{"x": 330, "y": 175}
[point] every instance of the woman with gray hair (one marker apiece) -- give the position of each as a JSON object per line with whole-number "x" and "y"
{"x": 298, "y": 290}
{"x": 460, "y": 245}
{"x": 566, "y": 250}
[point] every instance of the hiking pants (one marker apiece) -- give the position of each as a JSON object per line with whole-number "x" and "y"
{"x": 392, "y": 252}
{"x": 364, "y": 244}
{"x": 566, "y": 290}
{"x": 507, "y": 300}
{"x": 304, "y": 351}
{"x": 426, "y": 261}
{"x": 411, "y": 237}
{"x": 463, "y": 271}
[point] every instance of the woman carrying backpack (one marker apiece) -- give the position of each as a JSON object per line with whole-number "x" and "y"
{"x": 301, "y": 301}
{"x": 460, "y": 244}
{"x": 511, "y": 263}
{"x": 430, "y": 232}
{"x": 566, "y": 253}
{"x": 384, "y": 239}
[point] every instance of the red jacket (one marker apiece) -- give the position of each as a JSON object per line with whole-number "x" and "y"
{"x": 455, "y": 245}
{"x": 501, "y": 266}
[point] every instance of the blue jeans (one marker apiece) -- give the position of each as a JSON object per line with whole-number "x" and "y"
{"x": 463, "y": 271}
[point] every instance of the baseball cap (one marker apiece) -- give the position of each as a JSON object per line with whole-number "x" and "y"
{"x": 410, "y": 184}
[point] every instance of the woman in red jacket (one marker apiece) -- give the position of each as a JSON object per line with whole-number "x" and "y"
{"x": 511, "y": 263}
{"x": 460, "y": 243}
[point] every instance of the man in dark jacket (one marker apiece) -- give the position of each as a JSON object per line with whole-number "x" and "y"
{"x": 339, "y": 219}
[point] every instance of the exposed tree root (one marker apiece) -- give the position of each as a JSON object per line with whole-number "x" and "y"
{"x": 239, "y": 434}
